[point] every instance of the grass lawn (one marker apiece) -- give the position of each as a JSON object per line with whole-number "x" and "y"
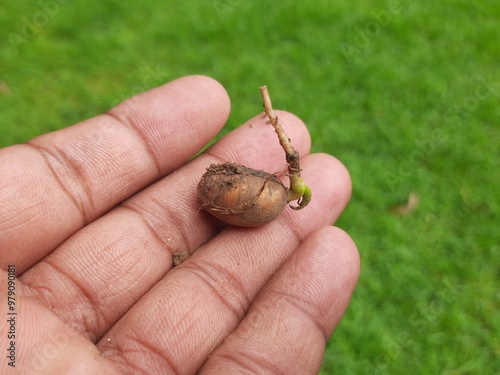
{"x": 406, "y": 94}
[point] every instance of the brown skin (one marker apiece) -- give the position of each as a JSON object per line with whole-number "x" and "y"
{"x": 93, "y": 213}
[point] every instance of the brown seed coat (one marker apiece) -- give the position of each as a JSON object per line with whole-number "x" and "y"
{"x": 241, "y": 196}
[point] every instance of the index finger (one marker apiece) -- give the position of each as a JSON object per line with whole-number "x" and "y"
{"x": 57, "y": 183}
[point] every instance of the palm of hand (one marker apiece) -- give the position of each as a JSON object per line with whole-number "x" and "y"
{"x": 93, "y": 214}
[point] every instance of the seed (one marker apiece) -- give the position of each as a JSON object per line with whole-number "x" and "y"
{"x": 247, "y": 197}
{"x": 240, "y": 195}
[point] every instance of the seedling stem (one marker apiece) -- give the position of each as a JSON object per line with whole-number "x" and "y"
{"x": 298, "y": 189}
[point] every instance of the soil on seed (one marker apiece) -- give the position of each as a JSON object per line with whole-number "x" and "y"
{"x": 240, "y": 195}
{"x": 230, "y": 169}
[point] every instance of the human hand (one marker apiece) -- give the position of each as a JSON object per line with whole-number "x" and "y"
{"x": 91, "y": 216}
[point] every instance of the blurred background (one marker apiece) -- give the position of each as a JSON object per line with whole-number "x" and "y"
{"x": 406, "y": 94}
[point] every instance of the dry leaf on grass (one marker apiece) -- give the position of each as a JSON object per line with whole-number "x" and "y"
{"x": 408, "y": 208}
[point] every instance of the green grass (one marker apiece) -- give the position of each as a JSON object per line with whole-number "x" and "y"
{"x": 405, "y": 95}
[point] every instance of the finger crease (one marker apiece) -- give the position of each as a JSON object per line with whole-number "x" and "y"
{"x": 298, "y": 304}
{"x": 151, "y": 227}
{"x": 83, "y": 321}
{"x": 59, "y": 164}
{"x": 142, "y": 346}
{"x": 225, "y": 287}
{"x": 250, "y": 363}
{"x": 130, "y": 124}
